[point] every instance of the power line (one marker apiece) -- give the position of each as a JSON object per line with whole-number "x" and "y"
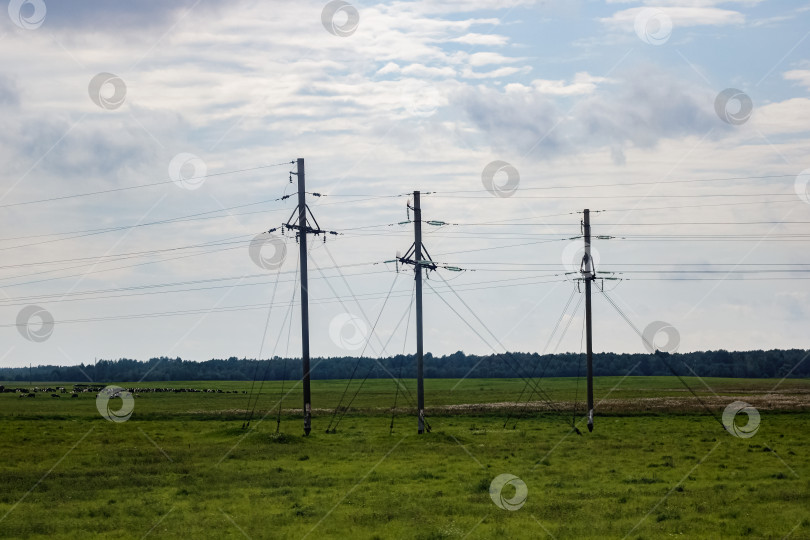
{"x": 658, "y": 224}
{"x": 653, "y": 183}
{"x": 723, "y": 204}
{"x": 138, "y": 186}
{"x": 669, "y": 196}
{"x": 17, "y": 301}
{"x": 161, "y": 222}
{"x": 158, "y": 222}
{"x": 133, "y": 254}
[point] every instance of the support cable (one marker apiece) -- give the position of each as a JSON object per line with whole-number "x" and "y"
{"x": 548, "y": 360}
{"x": 661, "y": 357}
{"x": 371, "y": 367}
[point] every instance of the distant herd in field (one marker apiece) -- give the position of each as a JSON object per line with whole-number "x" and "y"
{"x": 77, "y": 389}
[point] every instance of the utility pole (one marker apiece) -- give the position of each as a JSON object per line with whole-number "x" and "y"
{"x": 418, "y": 262}
{"x": 302, "y": 255}
{"x": 417, "y": 243}
{"x": 588, "y": 275}
{"x": 302, "y": 229}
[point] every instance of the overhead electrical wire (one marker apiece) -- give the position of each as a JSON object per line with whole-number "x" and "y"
{"x": 653, "y": 183}
{"x": 58, "y": 298}
{"x": 644, "y": 196}
{"x": 182, "y": 219}
{"x": 138, "y": 186}
{"x": 576, "y": 186}
{"x": 125, "y": 227}
{"x": 619, "y": 268}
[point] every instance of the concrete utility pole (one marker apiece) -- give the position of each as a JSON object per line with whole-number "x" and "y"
{"x": 588, "y": 275}
{"x": 417, "y": 243}
{"x": 302, "y": 254}
{"x": 421, "y": 259}
{"x": 302, "y": 228}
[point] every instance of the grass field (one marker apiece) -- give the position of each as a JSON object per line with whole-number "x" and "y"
{"x": 655, "y": 466}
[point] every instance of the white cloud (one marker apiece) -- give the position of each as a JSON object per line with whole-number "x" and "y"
{"x": 639, "y": 108}
{"x": 801, "y": 76}
{"x": 489, "y": 58}
{"x": 583, "y": 83}
{"x": 785, "y": 117}
{"x": 499, "y": 73}
{"x": 681, "y": 16}
{"x": 390, "y": 67}
{"x": 419, "y": 70}
{"x": 481, "y": 39}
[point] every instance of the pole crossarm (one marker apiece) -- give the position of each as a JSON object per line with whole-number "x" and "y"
{"x": 409, "y": 258}
{"x": 307, "y": 228}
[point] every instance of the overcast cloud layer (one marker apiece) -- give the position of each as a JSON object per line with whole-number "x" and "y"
{"x": 576, "y": 97}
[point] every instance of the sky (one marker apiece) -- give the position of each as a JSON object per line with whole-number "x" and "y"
{"x": 146, "y": 147}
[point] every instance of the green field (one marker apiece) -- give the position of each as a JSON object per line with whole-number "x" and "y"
{"x": 657, "y": 464}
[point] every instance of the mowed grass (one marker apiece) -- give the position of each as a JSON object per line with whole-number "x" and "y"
{"x": 182, "y": 466}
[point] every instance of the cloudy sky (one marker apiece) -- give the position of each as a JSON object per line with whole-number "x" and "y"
{"x": 146, "y": 144}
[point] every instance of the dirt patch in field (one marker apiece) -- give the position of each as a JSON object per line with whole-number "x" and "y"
{"x": 763, "y": 402}
{"x": 770, "y": 401}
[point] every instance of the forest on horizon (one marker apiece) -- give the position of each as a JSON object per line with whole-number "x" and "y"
{"x": 776, "y": 363}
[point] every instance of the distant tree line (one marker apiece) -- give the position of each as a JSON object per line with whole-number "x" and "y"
{"x": 760, "y": 364}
